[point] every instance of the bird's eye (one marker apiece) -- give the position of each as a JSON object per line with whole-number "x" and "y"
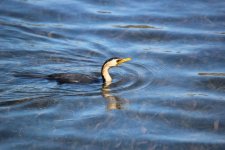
{"x": 117, "y": 60}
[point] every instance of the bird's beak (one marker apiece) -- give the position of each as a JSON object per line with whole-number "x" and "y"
{"x": 123, "y": 60}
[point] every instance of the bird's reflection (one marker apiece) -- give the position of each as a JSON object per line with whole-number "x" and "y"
{"x": 113, "y": 102}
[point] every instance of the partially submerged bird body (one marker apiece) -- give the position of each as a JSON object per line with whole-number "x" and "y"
{"x": 83, "y": 78}
{"x": 73, "y": 78}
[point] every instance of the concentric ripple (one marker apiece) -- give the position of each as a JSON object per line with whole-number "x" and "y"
{"x": 132, "y": 77}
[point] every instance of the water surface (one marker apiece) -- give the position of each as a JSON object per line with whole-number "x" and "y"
{"x": 170, "y": 96}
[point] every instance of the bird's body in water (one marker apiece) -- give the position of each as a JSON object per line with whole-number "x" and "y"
{"x": 72, "y": 78}
{"x": 82, "y": 78}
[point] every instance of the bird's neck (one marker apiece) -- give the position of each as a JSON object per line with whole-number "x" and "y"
{"x": 105, "y": 75}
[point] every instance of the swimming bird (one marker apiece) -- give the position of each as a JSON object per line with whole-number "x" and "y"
{"x": 83, "y": 78}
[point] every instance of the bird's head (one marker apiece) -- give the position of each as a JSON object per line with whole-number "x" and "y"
{"x": 115, "y": 61}
{"x": 112, "y": 62}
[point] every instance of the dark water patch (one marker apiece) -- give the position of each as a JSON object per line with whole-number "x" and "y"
{"x": 142, "y": 36}
{"x": 36, "y": 107}
{"x": 35, "y": 58}
{"x": 74, "y": 142}
{"x": 21, "y": 53}
{"x": 135, "y": 26}
{"x": 200, "y": 59}
{"x": 35, "y": 14}
{"x": 104, "y": 12}
{"x": 213, "y": 83}
{"x": 29, "y": 28}
{"x": 211, "y": 74}
{"x": 14, "y": 102}
{"x": 105, "y": 3}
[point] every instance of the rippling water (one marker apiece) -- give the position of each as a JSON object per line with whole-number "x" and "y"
{"x": 170, "y": 96}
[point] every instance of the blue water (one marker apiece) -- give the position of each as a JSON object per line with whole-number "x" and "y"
{"x": 171, "y": 96}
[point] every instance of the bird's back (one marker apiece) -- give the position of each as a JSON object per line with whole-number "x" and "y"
{"x": 73, "y": 78}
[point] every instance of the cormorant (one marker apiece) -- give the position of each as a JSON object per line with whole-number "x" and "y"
{"x": 83, "y": 78}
